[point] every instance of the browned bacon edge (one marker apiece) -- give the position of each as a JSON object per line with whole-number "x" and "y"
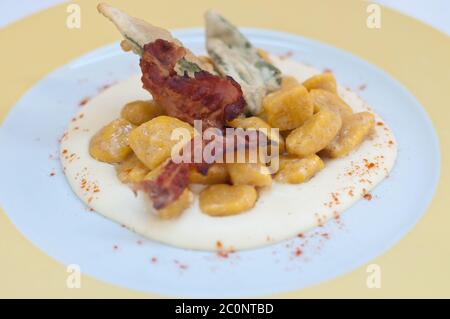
{"x": 174, "y": 177}
{"x": 168, "y": 185}
{"x": 207, "y": 97}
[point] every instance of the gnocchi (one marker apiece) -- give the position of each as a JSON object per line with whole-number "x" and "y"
{"x": 131, "y": 170}
{"x": 354, "y": 129}
{"x": 250, "y": 174}
{"x": 314, "y": 135}
{"x": 225, "y": 200}
{"x": 288, "y": 109}
{"x": 152, "y": 142}
{"x": 325, "y": 81}
{"x": 175, "y": 208}
{"x": 217, "y": 174}
{"x": 326, "y": 100}
{"x": 295, "y": 170}
{"x": 110, "y": 144}
{"x": 139, "y": 112}
{"x": 289, "y": 82}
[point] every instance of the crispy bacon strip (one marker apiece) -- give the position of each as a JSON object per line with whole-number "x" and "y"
{"x": 169, "y": 185}
{"x": 174, "y": 177}
{"x": 207, "y": 97}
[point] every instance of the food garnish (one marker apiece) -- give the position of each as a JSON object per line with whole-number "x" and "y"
{"x": 235, "y": 56}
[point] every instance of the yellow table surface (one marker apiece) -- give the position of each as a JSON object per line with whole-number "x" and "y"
{"x": 415, "y": 54}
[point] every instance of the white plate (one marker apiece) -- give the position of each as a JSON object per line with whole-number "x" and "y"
{"x": 46, "y": 211}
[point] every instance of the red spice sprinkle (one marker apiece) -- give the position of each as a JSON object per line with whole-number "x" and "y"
{"x": 223, "y": 254}
{"x": 286, "y": 55}
{"x": 104, "y": 87}
{"x": 115, "y": 247}
{"x": 380, "y": 123}
{"x": 84, "y": 101}
{"x": 219, "y": 244}
{"x": 298, "y": 252}
{"x": 325, "y": 235}
{"x": 63, "y": 137}
{"x": 362, "y": 87}
{"x": 81, "y": 116}
{"x": 368, "y": 164}
{"x": 65, "y": 151}
{"x": 180, "y": 265}
{"x": 391, "y": 142}
{"x": 327, "y": 70}
{"x": 52, "y": 174}
{"x": 336, "y": 215}
{"x": 335, "y": 197}
{"x": 366, "y": 194}
{"x": 139, "y": 242}
{"x": 154, "y": 260}
{"x": 301, "y": 235}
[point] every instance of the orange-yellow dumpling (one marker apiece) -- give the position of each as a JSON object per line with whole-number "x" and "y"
{"x": 110, "y": 144}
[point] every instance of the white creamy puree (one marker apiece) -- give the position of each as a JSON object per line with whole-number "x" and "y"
{"x": 281, "y": 212}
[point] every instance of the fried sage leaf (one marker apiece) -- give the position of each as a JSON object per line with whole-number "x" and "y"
{"x": 234, "y": 55}
{"x": 137, "y": 33}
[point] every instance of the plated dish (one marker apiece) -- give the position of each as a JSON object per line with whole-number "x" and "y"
{"x": 60, "y": 225}
{"x": 318, "y": 148}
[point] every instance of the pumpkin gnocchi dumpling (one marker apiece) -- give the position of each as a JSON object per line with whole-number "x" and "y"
{"x": 152, "y": 142}
{"x": 139, "y": 112}
{"x": 175, "y": 208}
{"x": 289, "y": 82}
{"x": 294, "y": 170}
{"x": 288, "y": 109}
{"x": 314, "y": 135}
{"x": 225, "y": 200}
{"x": 354, "y": 130}
{"x": 325, "y": 81}
{"x": 250, "y": 174}
{"x": 110, "y": 144}
{"x": 217, "y": 174}
{"x": 326, "y": 100}
{"x": 131, "y": 170}
{"x": 254, "y": 122}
